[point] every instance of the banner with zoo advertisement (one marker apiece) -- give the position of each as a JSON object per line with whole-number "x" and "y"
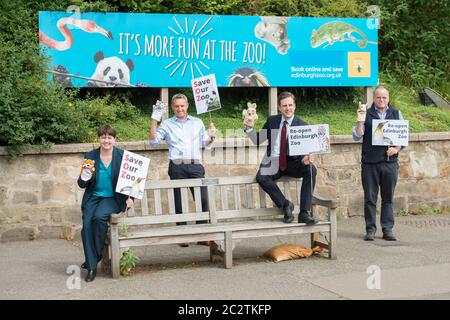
{"x": 169, "y": 50}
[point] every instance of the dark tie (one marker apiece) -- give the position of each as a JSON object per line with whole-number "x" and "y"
{"x": 283, "y": 148}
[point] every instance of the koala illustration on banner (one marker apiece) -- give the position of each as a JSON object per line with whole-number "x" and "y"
{"x": 273, "y": 30}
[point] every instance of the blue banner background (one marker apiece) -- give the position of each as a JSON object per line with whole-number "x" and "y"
{"x": 265, "y": 61}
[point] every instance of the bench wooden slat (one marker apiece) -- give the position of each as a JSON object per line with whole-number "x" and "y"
{"x": 179, "y": 183}
{"x": 262, "y": 197}
{"x": 299, "y": 188}
{"x": 153, "y": 219}
{"x": 212, "y": 204}
{"x": 250, "y": 202}
{"x": 248, "y": 213}
{"x": 287, "y": 190}
{"x": 237, "y": 196}
{"x": 184, "y": 200}
{"x": 223, "y": 181}
{"x": 172, "y": 239}
{"x": 157, "y": 197}
{"x": 144, "y": 204}
{"x": 289, "y": 230}
{"x": 224, "y": 197}
{"x": 198, "y": 199}
{"x": 171, "y": 199}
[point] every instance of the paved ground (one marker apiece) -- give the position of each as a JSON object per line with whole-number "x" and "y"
{"x": 416, "y": 267}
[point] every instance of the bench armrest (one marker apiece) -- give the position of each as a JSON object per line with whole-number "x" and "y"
{"x": 114, "y": 218}
{"x": 324, "y": 202}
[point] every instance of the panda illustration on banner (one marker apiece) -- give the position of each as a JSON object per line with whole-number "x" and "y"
{"x": 111, "y": 71}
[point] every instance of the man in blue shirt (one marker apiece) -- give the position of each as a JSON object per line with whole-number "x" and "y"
{"x": 185, "y": 135}
{"x": 379, "y": 165}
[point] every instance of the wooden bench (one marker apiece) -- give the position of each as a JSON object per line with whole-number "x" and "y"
{"x": 238, "y": 209}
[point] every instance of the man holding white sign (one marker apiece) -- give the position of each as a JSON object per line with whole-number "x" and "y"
{"x": 185, "y": 136}
{"x": 379, "y": 165}
{"x": 278, "y": 161}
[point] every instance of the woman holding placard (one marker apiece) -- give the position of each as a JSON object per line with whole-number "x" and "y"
{"x": 99, "y": 175}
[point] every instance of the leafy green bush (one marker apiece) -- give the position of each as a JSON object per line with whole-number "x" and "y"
{"x": 32, "y": 110}
{"x": 415, "y": 43}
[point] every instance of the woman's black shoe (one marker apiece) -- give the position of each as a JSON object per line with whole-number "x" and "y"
{"x": 91, "y": 275}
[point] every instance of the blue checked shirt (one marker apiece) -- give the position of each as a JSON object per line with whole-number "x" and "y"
{"x": 184, "y": 139}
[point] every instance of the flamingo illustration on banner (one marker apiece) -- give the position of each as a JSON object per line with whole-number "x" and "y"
{"x": 85, "y": 25}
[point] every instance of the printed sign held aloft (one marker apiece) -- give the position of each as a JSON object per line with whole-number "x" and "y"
{"x": 313, "y": 139}
{"x": 390, "y": 132}
{"x": 206, "y": 95}
{"x": 133, "y": 173}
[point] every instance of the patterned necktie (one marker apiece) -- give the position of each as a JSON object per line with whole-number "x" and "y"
{"x": 283, "y": 148}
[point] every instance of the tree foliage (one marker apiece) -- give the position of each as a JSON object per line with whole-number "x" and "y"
{"x": 415, "y": 41}
{"x": 32, "y": 110}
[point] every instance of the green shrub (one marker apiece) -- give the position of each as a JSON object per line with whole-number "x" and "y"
{"x": 128, "y": 262}
{"x": 414, "y": 40}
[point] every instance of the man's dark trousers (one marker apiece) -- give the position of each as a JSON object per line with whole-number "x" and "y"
{"x": 382, "y": 176}
{"x": 294, "y": 169}
{"x": 188, "y": 171}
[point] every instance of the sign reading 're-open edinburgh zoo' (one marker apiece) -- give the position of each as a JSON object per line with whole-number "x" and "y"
{"x": 168, "y": 50}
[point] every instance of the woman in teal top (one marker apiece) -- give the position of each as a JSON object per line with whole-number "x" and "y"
{"x": 100, "y": 199}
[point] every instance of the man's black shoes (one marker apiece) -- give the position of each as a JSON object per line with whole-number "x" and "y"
{"x": 91, "y": 275}
{"x": 389, "y": 236}
{"x": 304, "y": 217}
{"x": 287, "y": 209}
{"x": 370, "y": 236}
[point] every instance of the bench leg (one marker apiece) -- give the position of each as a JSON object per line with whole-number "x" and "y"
{"x": 333, "y": 233}
{"x": 228, "y": 250}
{"x": 115, "y": 251}
{"x": 314, "y": 238}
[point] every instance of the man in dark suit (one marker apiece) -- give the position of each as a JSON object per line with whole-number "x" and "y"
{"x": 277, "y": 162}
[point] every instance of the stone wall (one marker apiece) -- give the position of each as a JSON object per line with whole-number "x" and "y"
{"x": 39, "y": 197}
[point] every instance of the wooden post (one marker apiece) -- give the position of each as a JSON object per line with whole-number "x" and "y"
{"x": 369, "y": 96}
{"x": 273, "y": 103}
{"x": 228, "y": 256}
{"x": 314, "y": 235}
{"x": 164, "y": 97}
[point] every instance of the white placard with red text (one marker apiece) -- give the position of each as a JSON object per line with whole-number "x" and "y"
{"x": 206, "y": 94}
{"x": 133, "y": 173}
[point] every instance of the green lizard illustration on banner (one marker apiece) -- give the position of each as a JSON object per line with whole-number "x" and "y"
{"x": 333, "y": 31}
